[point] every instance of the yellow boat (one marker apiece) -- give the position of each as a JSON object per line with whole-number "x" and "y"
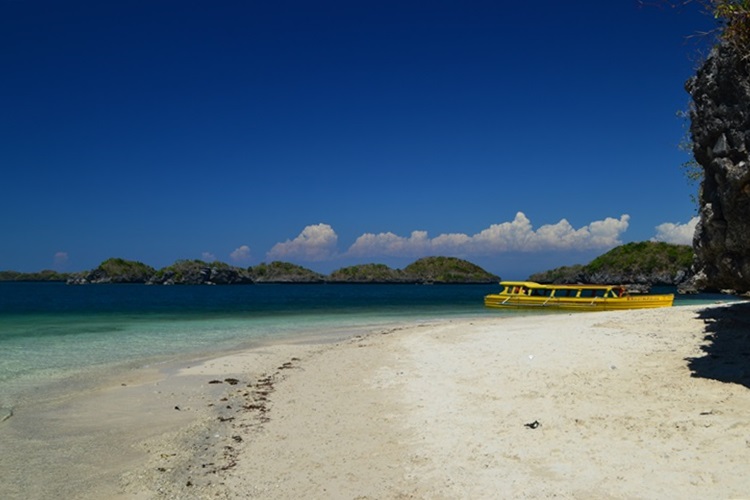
{"x": 528, "y": 294}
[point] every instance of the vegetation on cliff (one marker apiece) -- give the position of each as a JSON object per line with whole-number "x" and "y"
{"x": 646, "y": 262}
{"x": 734, "y": 23}
{"x": 732, "y": 18}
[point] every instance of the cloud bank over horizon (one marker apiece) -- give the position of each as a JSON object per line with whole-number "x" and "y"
{"x": 515, "y": 239}
{"x": 320, "y": 242}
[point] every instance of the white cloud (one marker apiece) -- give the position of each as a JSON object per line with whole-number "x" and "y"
{"x": 315, "y": 243}
{"x": 680, "y": 234}
{"x": 240, "y": 254}
{"x": 391, "y": 244}
{"x": 517, "y": 235}
{"x": 209, "y": 257}
{"x": 60, "y": 259}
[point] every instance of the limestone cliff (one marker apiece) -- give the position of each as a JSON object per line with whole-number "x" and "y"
{"x": 720, "y": 130}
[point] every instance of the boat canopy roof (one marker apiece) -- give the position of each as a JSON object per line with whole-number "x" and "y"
{"x": 532, "y": 284}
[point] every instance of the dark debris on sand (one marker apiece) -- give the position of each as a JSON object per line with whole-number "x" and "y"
{"x": 224, "y": 439}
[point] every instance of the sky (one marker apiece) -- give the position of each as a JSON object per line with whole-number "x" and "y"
{"x": 520, "y": 136}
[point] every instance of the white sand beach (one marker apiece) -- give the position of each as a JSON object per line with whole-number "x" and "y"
{"x": 590, "y": 405}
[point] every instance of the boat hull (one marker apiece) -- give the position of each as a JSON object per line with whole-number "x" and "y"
{"x": 503, "y": 301}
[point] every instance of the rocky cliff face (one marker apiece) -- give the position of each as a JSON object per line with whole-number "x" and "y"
{"x": 720, "y": 129}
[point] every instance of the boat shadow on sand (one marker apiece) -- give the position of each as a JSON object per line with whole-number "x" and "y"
{"x": 727, "y": 348}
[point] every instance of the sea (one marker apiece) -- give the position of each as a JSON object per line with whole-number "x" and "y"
{"x": 51, "y": 331}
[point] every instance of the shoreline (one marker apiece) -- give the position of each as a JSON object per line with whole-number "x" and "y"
{"x": 441, "y": 409}
{"x": 59, "y": 443}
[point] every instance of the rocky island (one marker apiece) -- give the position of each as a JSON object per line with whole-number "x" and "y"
{"x": 114, "y": 270}
{"x": 429, "y": 270}
{"x": 645, "y": 264}
{"x": 197, "y": 272}
{"x": 284, "y": 272}
{"x": 642, "y": 263}
{"x": 443, "y": 270}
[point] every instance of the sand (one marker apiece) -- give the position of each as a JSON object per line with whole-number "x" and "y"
{"x": 630, "y": 404}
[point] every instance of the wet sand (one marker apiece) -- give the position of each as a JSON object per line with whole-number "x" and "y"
{"x": 631, "y": 404}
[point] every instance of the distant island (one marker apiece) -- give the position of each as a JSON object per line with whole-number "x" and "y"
{"x": 644, "y": 263}
{"x": 438, "y": 270}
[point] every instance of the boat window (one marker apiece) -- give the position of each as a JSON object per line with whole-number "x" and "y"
{"x": 593, "y": 292}
{"x": 540, "y": 292}
{"x": 566, "y": 292}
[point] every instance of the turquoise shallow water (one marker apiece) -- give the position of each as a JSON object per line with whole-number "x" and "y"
{"x": 50, "y": 330}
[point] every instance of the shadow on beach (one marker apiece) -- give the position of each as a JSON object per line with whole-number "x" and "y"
{"x": 727, "y": 349}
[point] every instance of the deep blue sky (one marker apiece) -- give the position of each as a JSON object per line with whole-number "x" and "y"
{"x": 327, "y": 132}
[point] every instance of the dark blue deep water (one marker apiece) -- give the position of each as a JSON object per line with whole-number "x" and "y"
{"x": 253, "y": 300}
